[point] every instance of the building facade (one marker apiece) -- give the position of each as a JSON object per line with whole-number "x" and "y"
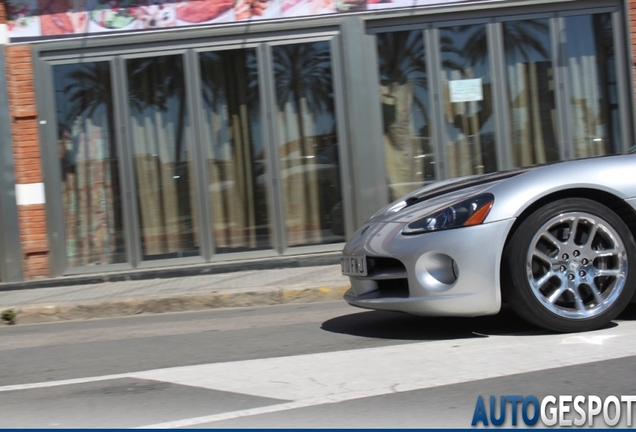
{"x": 151, "y": 134}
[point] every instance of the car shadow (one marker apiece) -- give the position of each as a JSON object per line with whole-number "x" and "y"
{"x": 629, "y": 314}
{"x": 401, "y": 326}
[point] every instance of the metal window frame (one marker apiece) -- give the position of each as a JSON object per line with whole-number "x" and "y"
{"x": 561, "y": 86}
{"x": 493, "y": 64}
{"x": 354, "y": 51}
{"x": 345, "y": 160}
{"x": 134, "y": 224}
{"x": 192, "y": 83}
{"x": 52, "y": 174}
{"x": 10, "y": 245}
{"x": 189, "y": 50}
{"x": 275, "y": 205}
{"x": 494, "y": 16}
{"x": 630, "y": 100}
{"x": 364, "y": 121}
{"x": 624, "y": 80}
{"x": 440, "y": 138}
{"x": 500, "y": 100}
{"x": 565, "y": 85}
{"x": 274, "y": 139}
{"x": 477, "y": 10}
{"x": 503, "y": 91}
{"x": 428, "y": 35}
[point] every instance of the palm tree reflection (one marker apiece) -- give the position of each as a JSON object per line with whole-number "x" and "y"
{"x": 90, "y": 164}
{"x": 520, "y": 38}
{"x": 303, "y": 78}
{"x": 236, "y": 165}
{"x": 158, "y": 105}
{"x": 305, "y": 99}
{"x": 404, "y": 89}
{"x": 401, "y": 60}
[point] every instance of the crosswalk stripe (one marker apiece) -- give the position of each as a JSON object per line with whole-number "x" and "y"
{"x": 360, "y": 373}
{"x": 317, "y": 379}
{"x": 58, "y": 383}
{"x": 331, "y": 377}
{"x": 229, "y": 415}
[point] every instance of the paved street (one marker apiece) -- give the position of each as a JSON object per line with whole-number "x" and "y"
{"x": 296, "y": 365}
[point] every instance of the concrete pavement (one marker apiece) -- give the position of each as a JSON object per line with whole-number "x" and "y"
{"x": 184, "y": 293}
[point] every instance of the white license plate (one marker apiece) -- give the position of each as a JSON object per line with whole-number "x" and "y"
{"x": 354, "y": 265}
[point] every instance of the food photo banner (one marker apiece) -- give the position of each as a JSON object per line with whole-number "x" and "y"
{"x": 50, "y": 19}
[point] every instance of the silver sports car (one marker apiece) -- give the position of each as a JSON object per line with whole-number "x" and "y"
{"x": 555, "y": 241}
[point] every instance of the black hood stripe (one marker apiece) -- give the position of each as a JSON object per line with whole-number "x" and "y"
{"x": 465, "y": 183}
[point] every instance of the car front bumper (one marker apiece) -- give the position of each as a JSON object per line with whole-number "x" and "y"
{"x": 445, "y": 273}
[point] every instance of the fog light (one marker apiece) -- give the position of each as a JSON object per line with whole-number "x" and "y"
{"x": 455, "y": 269}
{"x": 436, "y": 271}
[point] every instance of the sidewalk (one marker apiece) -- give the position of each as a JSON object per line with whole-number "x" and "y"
{"x": 186, "y": 293}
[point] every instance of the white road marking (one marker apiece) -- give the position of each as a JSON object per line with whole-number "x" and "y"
{"x": 322, "y": 378}
{"x": 45, "y": 384}
{"x": 593, "y": 340}
{"x": 364, "y": 372}
{"x": 228, "y": 416}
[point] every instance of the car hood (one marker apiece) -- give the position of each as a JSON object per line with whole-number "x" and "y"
{"x": 436, "y": 196}
{"x": 517, "y": 189}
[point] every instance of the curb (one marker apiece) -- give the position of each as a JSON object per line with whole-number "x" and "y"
{"x": 176, "y": 303}
{"x": 309, "y": 260}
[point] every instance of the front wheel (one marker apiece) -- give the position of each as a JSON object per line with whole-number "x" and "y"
{"x": 570, "y": 266}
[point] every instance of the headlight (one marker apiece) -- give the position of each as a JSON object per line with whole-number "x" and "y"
{"x": 469, "y": 212}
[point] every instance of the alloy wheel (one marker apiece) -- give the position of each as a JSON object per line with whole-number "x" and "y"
{"x": 576, "y": 265}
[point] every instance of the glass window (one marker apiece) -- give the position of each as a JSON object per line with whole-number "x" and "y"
{"x": 308, "y": 147}
{"x": 530, "y": 79}
{"x": 162, "y": 157}
{"x": 410, "y": 159}
{"x": 467, "y": 92}
{"x": 91, "y": 192}
{"x": 593, "y": 104}
{"x": 236, "y": 157}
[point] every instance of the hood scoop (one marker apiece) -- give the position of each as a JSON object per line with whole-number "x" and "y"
{"x": 466, "y": 182}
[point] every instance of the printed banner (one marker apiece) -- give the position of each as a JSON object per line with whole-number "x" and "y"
{"x": 51, "y": 19}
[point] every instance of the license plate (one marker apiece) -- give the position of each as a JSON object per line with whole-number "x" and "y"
{"x": 354, "y": 265}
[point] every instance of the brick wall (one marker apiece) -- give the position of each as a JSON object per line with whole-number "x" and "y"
{"x": 632, "y": 33}
{"x": 3, "y": 13}
{"x": 28, "y": 169}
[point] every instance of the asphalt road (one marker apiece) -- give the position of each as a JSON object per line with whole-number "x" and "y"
{"x": 316, "y": 365}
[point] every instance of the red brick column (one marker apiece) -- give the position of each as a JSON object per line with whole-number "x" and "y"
{"x": 632, "y": 33}
{"x": 27, "y": 159}
{"x": 3, "y": 13}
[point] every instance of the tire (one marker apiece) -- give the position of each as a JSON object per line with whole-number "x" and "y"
{"x": 569, "y": 267}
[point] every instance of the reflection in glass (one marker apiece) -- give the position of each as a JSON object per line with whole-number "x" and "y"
{"x": 310, "y": 167}
{"x": 593, "y": 105}
{"x": 162, "y": 157}
{"x": 530, "y": 77}
{"x": 236, "y": 158}
{"x": 410, "y": 160}
{"x": 89, "y": 161}
{"x": 468, "y": 101}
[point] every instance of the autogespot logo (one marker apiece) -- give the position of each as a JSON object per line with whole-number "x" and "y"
{"x": 563, "y": 410}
